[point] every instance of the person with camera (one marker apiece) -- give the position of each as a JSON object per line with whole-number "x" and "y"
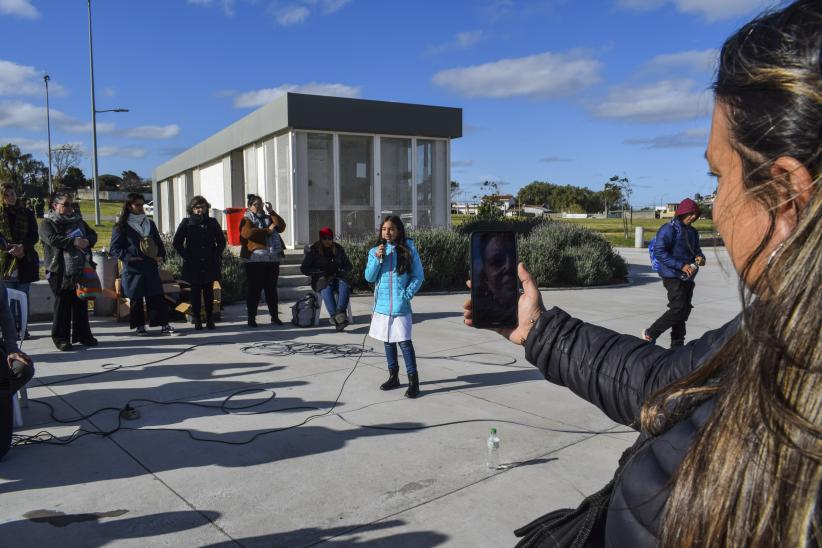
{"x": 676, "y": 248}
{"x": 16, "y": 370}
{"x": 261, "y": 250}
{"x": 395, "y": 267}
{"x": 200, "y": 241}
{"x": 329, "y": 268}
{"x": 19, "y": 262}
{"x": 67, "y": 242}
{"x": 729, "y": 451}
{"x": 136, "y": 241}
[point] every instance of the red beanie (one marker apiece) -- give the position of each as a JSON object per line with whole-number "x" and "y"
{"x": 686, "y": 207}
{"x": 326, "y": 232}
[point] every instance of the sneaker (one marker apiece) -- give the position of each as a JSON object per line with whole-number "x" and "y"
{"x": 89, "y": 342}
{"x": 252, "y": 322}
{"x": 341, "y": 326}
{"x": 646, "y": 337}
{"x": 63, "y": 346}
{"x": 276, "y": 321}
{"x": 168, "y": 330}
{"x": 141, "y": 331}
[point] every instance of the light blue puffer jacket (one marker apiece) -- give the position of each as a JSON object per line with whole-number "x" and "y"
{"x": 394, "y": 291}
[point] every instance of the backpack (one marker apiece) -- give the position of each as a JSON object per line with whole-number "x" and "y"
{"x": 304, "y": 311}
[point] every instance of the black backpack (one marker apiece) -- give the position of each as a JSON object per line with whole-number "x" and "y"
{"x": 304, "y": 311}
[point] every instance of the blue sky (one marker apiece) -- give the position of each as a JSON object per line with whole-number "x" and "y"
{"x": 565, "y": 91}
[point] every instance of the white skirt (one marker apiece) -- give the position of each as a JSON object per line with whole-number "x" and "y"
{"x": 390, "y": 328}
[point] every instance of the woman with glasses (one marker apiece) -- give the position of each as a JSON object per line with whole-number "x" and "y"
{"x": 67, "y": 242}
{"x": 261, "y": 250}
{"x": 329, "y": 268}
{"x": 200, "y": 242}
{"x": 136, "y": 241}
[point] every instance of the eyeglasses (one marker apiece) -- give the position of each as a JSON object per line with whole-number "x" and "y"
{"x": 326, "y": 237}
{"x": 64, "y": 204}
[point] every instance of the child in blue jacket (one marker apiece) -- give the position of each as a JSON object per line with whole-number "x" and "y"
{"x": 395, "y": 267}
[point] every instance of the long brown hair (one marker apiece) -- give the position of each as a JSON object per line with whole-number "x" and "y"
{"x": 752, "y": 475}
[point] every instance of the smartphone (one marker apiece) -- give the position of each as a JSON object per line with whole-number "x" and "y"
{"x": 494, "y": 281}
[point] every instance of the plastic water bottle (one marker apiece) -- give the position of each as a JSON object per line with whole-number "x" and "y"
{"x": 685, "y": 277}
{"x": 492, "y": 459}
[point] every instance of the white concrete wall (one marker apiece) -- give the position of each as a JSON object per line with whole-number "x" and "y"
{"x": 211, "y": 184}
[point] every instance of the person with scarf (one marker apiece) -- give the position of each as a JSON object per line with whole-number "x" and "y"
{"x": 200, "y": 242}
{"x": 395, "y": 267}
{"x": 329, "y": 268}
{"x": 136, "y": 241}
{"x": 261, "y": 249}
{"x": 67, "y": 242}
{"x": 19, "y": 263}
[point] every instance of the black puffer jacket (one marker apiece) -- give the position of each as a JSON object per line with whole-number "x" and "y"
{"x": 617, "y": 373}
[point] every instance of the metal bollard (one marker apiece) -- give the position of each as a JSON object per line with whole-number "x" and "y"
{"x": 639, "y": 237}
{"x": 107, "y": 272}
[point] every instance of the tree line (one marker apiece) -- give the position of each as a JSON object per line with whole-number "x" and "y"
{"x": 574, "y": 199}
{"x": 30, "y": 176}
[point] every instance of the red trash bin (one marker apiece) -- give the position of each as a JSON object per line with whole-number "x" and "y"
{"x": 233, "y": 216}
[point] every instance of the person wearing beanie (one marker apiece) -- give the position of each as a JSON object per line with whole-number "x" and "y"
{"x": 676, "y": 247}
{"x": 329, "y": 268}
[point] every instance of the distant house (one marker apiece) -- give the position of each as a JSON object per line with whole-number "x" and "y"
{"x": 537, "y": 210}
{"x": 502, "y": 201}
{"x": 463, "y": 208}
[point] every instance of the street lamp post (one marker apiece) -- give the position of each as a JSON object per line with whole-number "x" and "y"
{"x": 94, "y": 113}
{"x": 48, "y": 129}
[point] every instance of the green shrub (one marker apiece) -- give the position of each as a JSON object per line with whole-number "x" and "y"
{"x": 522, "y": 226}
{"x": 233, "y": 275}
{"x": 559, "y": 254}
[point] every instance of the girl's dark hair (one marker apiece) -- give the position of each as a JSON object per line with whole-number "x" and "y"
{"x": 752, "y": 474}
{"x": 403, "y": 252}
{"x": 197, "y": 201}
{"x": 132, "y": 197}
{"x": 251, "y": 198}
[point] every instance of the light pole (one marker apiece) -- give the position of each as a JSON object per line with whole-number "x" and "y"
{"x": 48, "y": 129}
{"x": 94, "y": 113}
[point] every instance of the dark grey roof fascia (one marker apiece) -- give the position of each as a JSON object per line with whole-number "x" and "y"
{"x": 319, "y": 113}
{"x": 267, "y": 120}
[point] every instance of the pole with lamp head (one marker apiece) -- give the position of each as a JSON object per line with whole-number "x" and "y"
{"x": 48, "y": 129}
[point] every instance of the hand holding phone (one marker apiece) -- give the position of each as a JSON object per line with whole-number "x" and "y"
{"x": 494, "y": 281}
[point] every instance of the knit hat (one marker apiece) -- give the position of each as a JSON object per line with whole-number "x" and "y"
{"x": 326, "y": 232}
{"x": 687, "y": 207}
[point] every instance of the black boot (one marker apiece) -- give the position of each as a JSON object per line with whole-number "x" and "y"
{"x": 413, "y": 386}
{"x": 393, "y": 379}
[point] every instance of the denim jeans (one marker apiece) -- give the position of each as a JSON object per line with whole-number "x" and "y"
{"x": 408, "y": 356}
{"x": 342, "y": 290}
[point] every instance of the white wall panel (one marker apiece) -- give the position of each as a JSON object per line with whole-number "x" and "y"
{"x": 211, "y": 184}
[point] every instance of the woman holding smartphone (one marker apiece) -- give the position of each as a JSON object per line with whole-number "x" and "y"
{"x": 395, "y": 267}
{"x": 262, "y": 249}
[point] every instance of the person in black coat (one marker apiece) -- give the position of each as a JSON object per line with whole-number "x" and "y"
{"x": 67, "y": 242}
{"x": 19, "y": 263}
{"x": 329, "y": 268}
{"x": 730, "y": 444}
{"x": 200, "y": 241}
{"x": 136, "y": 241}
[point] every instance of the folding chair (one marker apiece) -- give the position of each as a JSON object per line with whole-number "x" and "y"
{"x": 20, "y": 311}
{"x": 318, "y": 303}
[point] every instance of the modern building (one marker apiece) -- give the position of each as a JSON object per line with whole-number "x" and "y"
{"x": 321, "y": 161}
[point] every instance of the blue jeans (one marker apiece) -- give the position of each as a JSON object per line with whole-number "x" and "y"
{"x": 342, "y": 290}
{"x": 408, "y": 356}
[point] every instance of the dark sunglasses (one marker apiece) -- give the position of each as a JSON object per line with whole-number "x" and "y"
{"x": 326, "y": 237}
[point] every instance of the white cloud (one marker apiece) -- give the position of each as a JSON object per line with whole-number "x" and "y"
{"x": 461, "y": 41}
{"x": 122, "y": 152}
{"x": 552, "y": 159}
{"x": 543, "y": 75}
{"x": 27, "y": 146}
{"x": 695, "y": 61}
{"x": 153, "y": 132}
{"x": 663, "y": 101}
{"x": 25, "y": 116}
{"x": 20, "y": 8}
{"x": 109, "y": 92}
{"x": 264, "y": 96}
{"x": 228, "y": 5}
{"x": 330, "y": 6}
{"x": 24, "y": 80}
{"x": 711, "y": 10}
{"x": 291, "y": 14}
{"x": 694, "y": 137}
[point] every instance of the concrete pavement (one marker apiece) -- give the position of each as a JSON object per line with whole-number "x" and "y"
{"x": 314, "y": 475}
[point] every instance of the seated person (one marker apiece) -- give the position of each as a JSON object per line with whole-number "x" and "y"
{"x": 328, "y": 266}
{"x": 16, "y": 369}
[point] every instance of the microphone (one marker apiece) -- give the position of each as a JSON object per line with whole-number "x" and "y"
{"x": 382, "y": 242}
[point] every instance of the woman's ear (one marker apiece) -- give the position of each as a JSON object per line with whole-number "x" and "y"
{"x": 795, "y": 193}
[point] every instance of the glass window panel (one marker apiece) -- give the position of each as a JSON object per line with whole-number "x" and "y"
{"x": 283, "y": 144}
{"x": 320, "y": 183}
{"x": 395, "y": 167}
{"x": 430, "y": 183}
{"x": 356, "y": 185}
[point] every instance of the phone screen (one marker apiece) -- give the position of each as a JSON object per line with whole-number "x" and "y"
{"x": 494, "y": 282}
